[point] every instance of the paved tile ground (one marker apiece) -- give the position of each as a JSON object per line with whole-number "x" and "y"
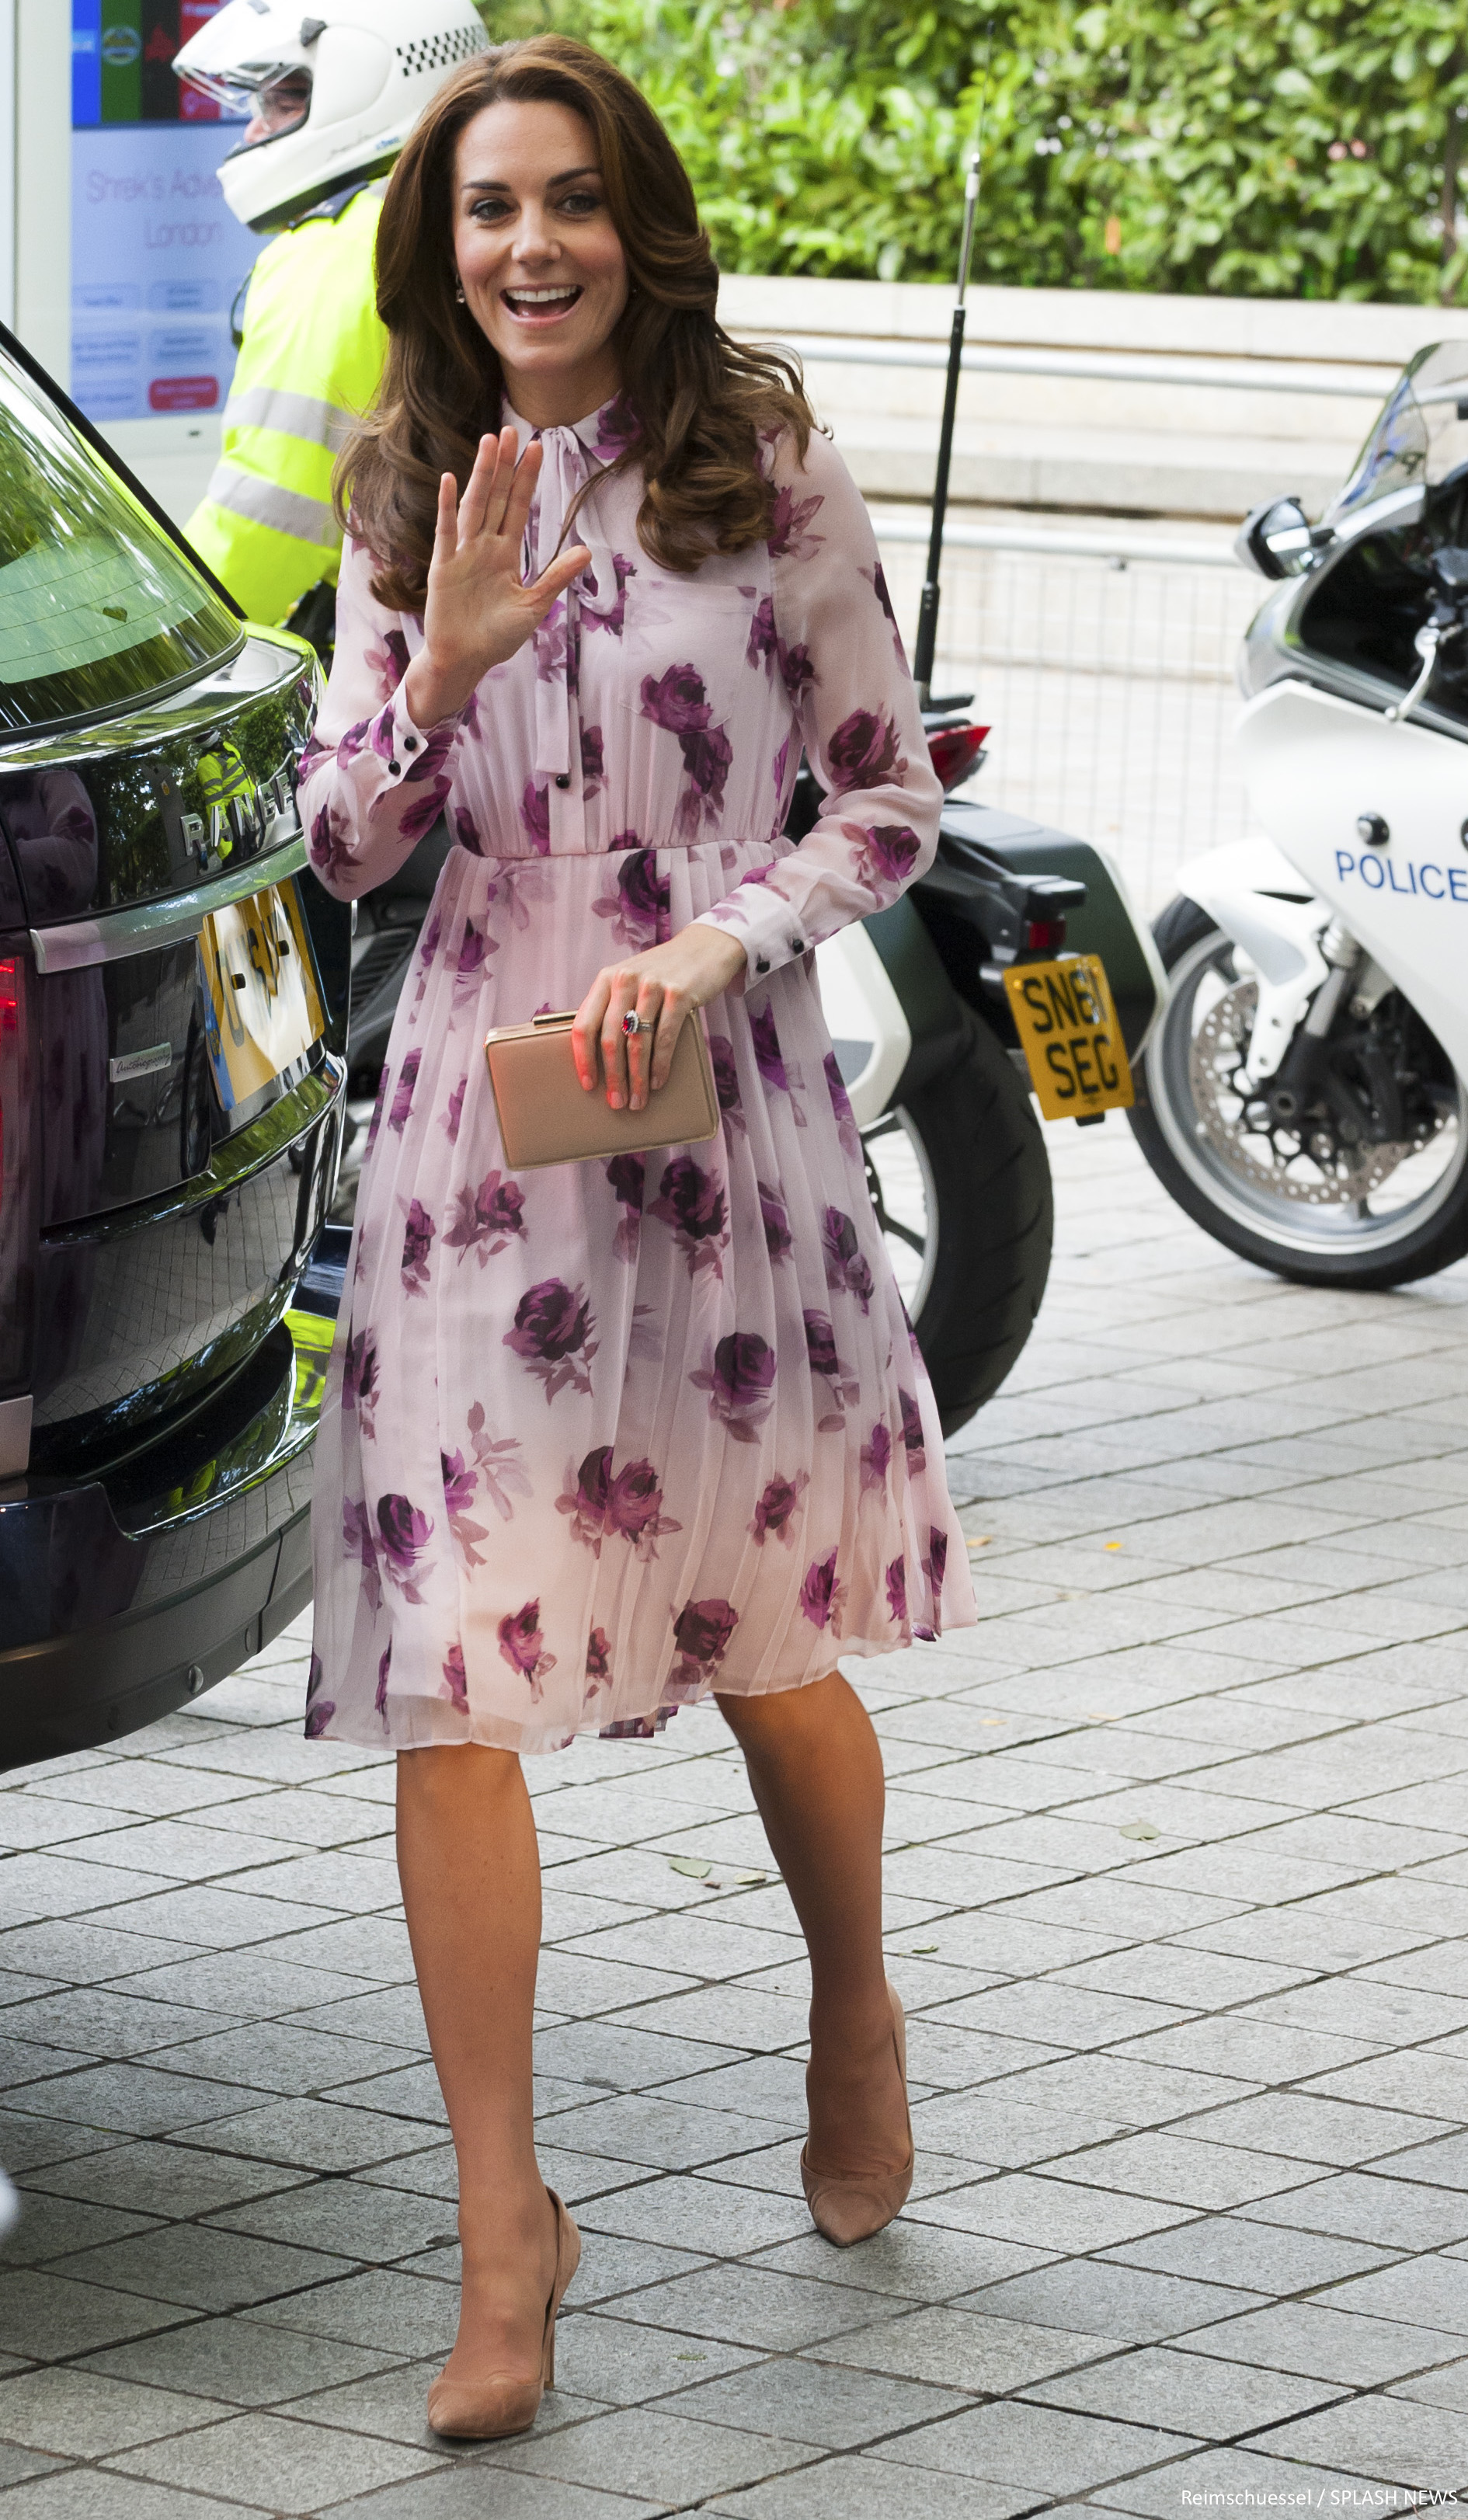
{"x": 1179, "y": 1875}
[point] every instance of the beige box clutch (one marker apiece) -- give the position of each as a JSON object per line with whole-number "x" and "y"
{"x": 545, "y": 1118}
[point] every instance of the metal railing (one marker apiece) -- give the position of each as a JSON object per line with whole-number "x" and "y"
{"x": 1350, "y": 381}
{"x": 1105, "y": 665}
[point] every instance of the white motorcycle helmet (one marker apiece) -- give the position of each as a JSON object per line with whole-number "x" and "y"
{"x": 332, "y": 92}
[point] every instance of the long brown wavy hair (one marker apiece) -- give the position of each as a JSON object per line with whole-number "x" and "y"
{"x": 701, "y": 401}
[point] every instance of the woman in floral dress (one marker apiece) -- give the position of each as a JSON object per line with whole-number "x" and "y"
{"x": 612, "y": 1437}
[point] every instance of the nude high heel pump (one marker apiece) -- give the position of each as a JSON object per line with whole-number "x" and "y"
{"x": 499, "y": 2405}
{"x": 851, "y": 2208}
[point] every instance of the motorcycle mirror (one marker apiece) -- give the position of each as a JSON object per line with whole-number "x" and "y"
{"x": 1278, "y": 539}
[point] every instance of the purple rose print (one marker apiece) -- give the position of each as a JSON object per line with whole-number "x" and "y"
{"x": 790, "y": 537}
{"x": 453, "y": 1112}
{"x": 552, "y": 1336}
{"x": 627, "y": 1506}
{"x": 311, "y": 759}
{"x": 403, "y": 1536}
{"x": 455, "y": 1680}
{"x": 767, "y": 648}
{"x": 701, "y": 1631}
{"x": 383, "y": 735}
{"x": 487, "y": 1219}
{"x": 421, "y": 814}
{"x": 638, "y": 908}
{"x": 475, "y": 951}
{"x": 876, "y": 1458}
{"x": 522, "y": 1645}
{"x": 618, "y": 429}
{"x": 549, "y": 643}
{"x": 535, "y": 817}
{"x": 628, "y": 1175}
{"x": 721, "y": 1051}
{"x": 677, "y": 700}
{"x": 319, "y": 1710}
{"x": 418, "y": 1240}
{"x": 693, "y": 1202}
{"x": 357, "y": 1542}
{"x": 466, "y": 832}
{"x": 846, "y": 1268}
{"x": 330, "y": 849}
{"x": 390, "y": 660}
{"x": 913, "y": 1442}
{"x": 935, "y": 1564}
{"x": 774, "y": 1513}
{"x": 821, "y": 1596}
{"x": 593, "y": 764}
{"x": 897, "y": 1592}
{"x": 597, "y": 1662}
{"x": 738, "y": 1375}
{"x": 889, "y": 852}
{"x": 864, "y": 749}
{"x": 825, "y": 1364}
{"x": 821, "y": 1344}
{"x": 457, "y": 1482}
{"x": 597, "y": 615}
{"x": 707, "y": 757}
{"x": 402, "y": 1098}
{"x": 379, "y": 1702}
{"x": 677, "y": 703}
{"x": 846, "y": 1119}
{"x": 359, "y": 1380}
{"x": 780, "y": 1241}
{"x": 768, "y": 1056}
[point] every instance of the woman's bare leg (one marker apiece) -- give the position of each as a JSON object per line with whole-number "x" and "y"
{"x": 470, "y": 1874}
{"x": 815, "y": 1769}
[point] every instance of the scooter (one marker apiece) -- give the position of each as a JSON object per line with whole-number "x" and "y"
{"x": 1015, "y": 965}
{"x": 1304, "y": 1097}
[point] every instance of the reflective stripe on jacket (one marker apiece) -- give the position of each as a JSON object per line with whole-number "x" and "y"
{"x": 311, "y": 360}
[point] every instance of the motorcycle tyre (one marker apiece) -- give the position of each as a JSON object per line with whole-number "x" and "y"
{"x": 1436, "y": 1245}
{"x": 996, "y": 1221}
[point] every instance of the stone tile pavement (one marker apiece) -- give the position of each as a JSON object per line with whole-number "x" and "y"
{"x": 1178, "y": 1877}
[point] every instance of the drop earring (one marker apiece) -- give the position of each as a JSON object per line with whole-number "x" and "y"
{"x": 459, "y": 292}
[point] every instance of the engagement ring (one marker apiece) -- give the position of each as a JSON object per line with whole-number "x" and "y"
{"x": 631, "y": 1024}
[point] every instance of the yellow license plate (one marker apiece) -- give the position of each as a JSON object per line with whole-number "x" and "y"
{"x": 1070, "y": 1036}
{"x": 262, "y": 1008}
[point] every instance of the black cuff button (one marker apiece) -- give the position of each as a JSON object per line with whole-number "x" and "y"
{"x": 563, "y": 778}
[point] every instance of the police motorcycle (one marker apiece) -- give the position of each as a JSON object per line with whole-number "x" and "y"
{"x": 1014, "y": 968}
{"x": 1305, "y": 1096}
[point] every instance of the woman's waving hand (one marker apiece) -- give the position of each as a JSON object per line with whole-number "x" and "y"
{"x": 478, "y": 609}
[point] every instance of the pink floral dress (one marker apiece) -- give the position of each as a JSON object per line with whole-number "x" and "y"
{"x": 606, "y": 1437}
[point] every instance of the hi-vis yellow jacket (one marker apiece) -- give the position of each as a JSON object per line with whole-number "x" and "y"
{"x": 311, "y": 360}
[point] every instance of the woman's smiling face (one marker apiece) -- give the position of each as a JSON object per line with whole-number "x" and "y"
{"x": 540, "y": 265}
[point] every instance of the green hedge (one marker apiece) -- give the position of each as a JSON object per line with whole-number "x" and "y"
{"x": 1265, "y": 148}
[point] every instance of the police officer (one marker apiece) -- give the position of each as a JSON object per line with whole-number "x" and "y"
{"x": 331, "y": 96}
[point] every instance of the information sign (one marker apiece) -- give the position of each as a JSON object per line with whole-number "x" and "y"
{"x": 157, "y": 258}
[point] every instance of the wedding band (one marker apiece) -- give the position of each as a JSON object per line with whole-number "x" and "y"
{"x": 632, "y": 1023}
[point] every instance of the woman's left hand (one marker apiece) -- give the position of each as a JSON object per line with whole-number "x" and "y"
{"x": 661, "y": 988}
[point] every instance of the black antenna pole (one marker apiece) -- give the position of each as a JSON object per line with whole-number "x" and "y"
{"x": 927, "y": 611}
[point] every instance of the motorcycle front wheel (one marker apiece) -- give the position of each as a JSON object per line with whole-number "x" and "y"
{"x": 1396, "y": 1216}
{"x": 961, "y": 1182}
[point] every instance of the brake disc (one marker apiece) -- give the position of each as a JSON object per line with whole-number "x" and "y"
{"x": 1263, "y": 1152}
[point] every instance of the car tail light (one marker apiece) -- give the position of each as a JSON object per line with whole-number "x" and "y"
{"x": 1043, "y": 935}
{"x": 10, "y": 1026}
{"x": 955, "y": 750}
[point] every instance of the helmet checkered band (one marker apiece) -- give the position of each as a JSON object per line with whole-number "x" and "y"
{"x": 442, "y": 52}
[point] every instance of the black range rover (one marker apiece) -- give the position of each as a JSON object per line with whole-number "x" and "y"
{"x": 173, "y": 1001}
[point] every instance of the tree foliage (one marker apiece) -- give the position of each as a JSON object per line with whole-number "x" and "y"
{"x": 1265, "y": 148}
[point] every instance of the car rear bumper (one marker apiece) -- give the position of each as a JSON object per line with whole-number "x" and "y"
{"x": 124, "y": 1597}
